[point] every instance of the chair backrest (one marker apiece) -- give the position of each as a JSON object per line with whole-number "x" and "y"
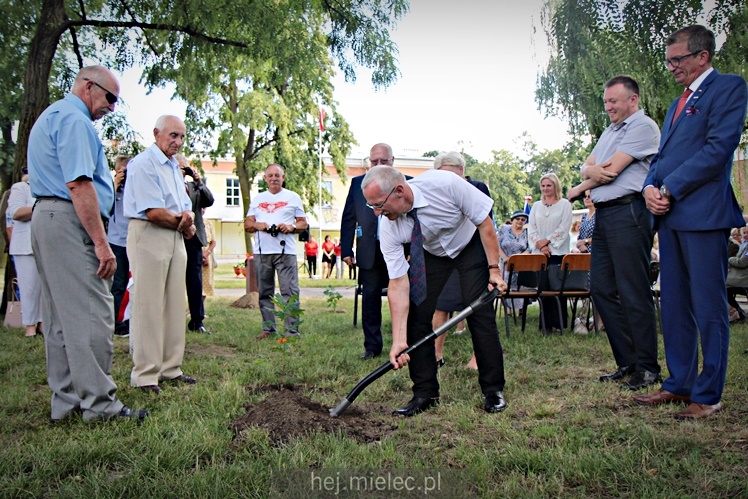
{"x": 576, "y": 261}
{"x": 517, "y": 264}
{"x": 654, "y": 273}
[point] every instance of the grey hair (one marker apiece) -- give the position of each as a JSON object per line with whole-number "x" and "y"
{"x": 385, "y": 176}
{"x": 451, "y": 158}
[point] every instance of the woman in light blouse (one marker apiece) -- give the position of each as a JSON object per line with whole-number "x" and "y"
{"x": 548, "y": 233}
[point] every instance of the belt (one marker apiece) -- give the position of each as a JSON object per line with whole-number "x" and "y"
{"x": 104, "y": 220}
{"x": 627, "y": 199}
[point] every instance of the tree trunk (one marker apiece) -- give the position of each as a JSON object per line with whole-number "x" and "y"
{"x": 53, "y": 21}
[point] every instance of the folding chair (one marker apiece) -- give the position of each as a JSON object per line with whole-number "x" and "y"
{"x": 576, "y": 287}
{"x": 654, "y": 275}
{"x": 528, "y": 269}
{"x": 360, "y": 291}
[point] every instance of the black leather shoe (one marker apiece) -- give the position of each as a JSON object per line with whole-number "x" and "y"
{"x": 440, "y": 363}
{"x": 370, "y": 355}
{"x": 642, "y": 379}
{"x": 137, "y": 414}
{"x": 200, "y": 329}
{"x": 495, "y": 402}
{"x": 416, "y": 406}
{"x": 151, "y": 389}
{"x": 619, "y": 374}
{"x": 182, "y": 378}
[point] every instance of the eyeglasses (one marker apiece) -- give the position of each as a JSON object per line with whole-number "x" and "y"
{"x": 675, "y": 61}
{"x": 379, "y": 206}
{"x": 110, "y": 97}
{"x": 383, "y": 161}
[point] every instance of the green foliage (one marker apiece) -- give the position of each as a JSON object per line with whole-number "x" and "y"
{"x": 287, "y": 48}
{"x": 333, "y": 297}
{"x": 285, "y": 309}
{"x": 510, "y": 177}
{"x": 594, "y": 40}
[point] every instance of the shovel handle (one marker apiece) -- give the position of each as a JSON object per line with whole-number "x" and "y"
{"x": 484, "y": 299}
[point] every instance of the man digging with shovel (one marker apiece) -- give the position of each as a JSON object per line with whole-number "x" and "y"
{"x": 446, "y": 221}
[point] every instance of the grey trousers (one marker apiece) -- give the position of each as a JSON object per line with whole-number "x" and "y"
{"x": 78, "y": 314}
{"x": 266, "y": 267}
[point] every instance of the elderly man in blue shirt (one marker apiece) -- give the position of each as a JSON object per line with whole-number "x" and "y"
{"x": 69, "y": 177}
{"x": 160, "y": 219}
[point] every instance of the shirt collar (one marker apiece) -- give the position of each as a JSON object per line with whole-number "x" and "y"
{"x": 628, "y": 120}
{"x": 694, "y": 86}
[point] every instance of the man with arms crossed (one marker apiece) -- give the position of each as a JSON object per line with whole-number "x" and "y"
{"x": 622, "y": 238}
{"x": 688, "y": 190}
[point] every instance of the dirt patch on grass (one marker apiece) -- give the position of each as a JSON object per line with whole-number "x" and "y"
{"x": 286, "y": 413}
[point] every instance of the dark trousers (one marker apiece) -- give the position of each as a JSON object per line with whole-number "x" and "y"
{"x": 472, "y": 266}
{"x": 121, "y": 277}
{"x": 620, "y": 286}
{"x": 373, "y": 280}
{"x": 311, "y": 263}
{"x": 194, "y": 282}
{"x": 550, "y": 307}
{"x": 693, "y": 270}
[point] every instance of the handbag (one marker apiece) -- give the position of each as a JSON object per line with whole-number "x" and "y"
{"x": 13, "y": 318}
{"x": 576, "y": 280}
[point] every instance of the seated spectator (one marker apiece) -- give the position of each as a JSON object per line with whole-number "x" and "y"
{"x": 737, "y": 277}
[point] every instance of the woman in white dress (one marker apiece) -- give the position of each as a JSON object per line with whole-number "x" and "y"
{"x": 548, "y": 233}
{"x": 20, "y": 204}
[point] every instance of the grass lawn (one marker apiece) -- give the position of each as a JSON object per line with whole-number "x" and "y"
{"x": 563, "y": 435}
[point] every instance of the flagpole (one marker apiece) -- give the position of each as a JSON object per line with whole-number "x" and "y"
{"x": 319, "y": 155}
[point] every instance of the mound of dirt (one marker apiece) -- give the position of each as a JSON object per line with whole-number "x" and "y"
{"x": 286, "y": 413}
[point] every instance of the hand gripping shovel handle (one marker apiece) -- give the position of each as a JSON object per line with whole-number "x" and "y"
{"x": 484, "y": 299}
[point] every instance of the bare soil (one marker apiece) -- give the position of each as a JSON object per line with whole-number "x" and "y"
{"x": 286, "y": 413}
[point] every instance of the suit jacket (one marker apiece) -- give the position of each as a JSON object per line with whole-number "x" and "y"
{"x": 737, "y": 275}
{"x": 356, "y": 213}
{"x": 694, "y": 160}
{"x": 200, "y": 198}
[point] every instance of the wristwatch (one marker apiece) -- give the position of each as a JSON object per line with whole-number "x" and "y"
{"x": 664, "y": 192}
{"x": 294, "y": 227}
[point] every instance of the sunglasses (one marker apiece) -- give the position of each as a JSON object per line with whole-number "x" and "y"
{"x": 110, "y": 97}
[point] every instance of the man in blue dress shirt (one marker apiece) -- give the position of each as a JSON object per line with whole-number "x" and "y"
{"x": 69, "y": 177}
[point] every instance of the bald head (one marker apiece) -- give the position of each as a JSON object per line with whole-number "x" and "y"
{"x": 98, "y": 88}
{"x": 381, "y": 154}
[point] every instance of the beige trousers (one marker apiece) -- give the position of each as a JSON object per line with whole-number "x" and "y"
{"x": 158, "y": 262}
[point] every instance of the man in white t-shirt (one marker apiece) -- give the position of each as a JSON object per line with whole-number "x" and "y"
{"x": 274, "y": 216}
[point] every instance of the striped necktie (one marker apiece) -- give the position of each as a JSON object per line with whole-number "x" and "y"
{"x": 417, "y": 262}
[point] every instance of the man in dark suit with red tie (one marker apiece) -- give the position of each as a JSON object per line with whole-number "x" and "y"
{"x": 688, "y": 190}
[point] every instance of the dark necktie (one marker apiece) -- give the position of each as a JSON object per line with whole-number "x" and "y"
{"x": 681, "y": 103}
{"x": 417, "y": 262}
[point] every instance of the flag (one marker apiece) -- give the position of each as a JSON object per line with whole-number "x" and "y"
{"x": 321, "y": 115}
{"x": 528, "y": 200}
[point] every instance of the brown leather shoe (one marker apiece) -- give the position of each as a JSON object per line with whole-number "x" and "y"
{"x": 661, "y": 397}
{"x": 151, "y": 389}
{"x": 699, "y": 411}
{"x": 265, "y": 334}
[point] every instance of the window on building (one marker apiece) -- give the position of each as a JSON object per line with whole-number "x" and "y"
{"x": 233, "y": 194}
{"x": 326, "y": 185}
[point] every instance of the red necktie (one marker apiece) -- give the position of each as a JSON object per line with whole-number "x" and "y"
{"x": 681, "y": 103}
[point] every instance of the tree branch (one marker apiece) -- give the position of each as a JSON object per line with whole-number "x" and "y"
{"x": 187, "y": 30}
{"x": 76, "y": 47}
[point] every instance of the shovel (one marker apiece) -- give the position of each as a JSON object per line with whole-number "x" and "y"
{"x": 484, "y": 299}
